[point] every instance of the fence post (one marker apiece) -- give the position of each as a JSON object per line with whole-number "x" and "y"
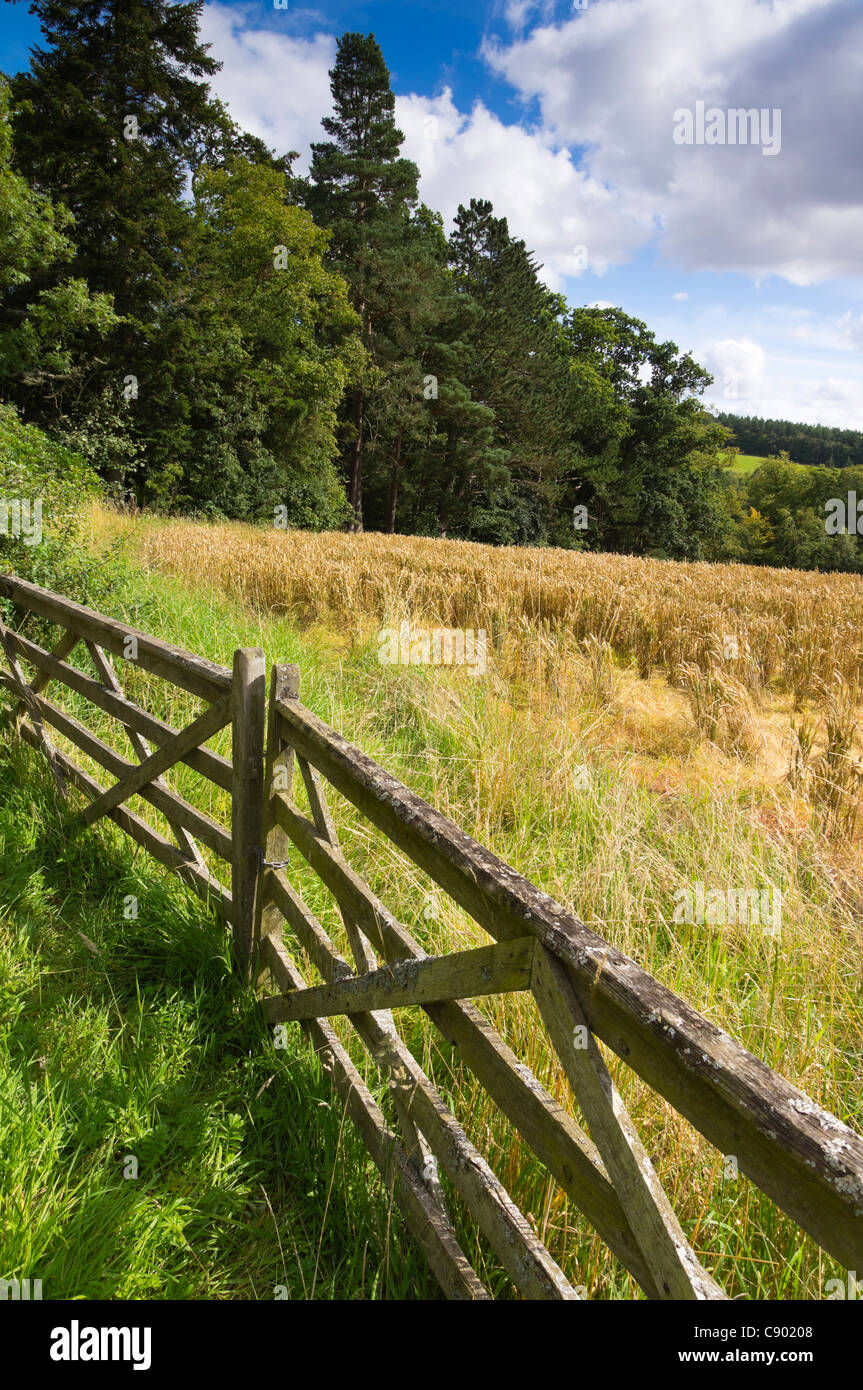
{"x": 279, "y": 767}
{"x": 249, "y": 718}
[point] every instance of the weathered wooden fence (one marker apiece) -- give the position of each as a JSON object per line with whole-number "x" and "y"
{"x": 804, "y": 1158}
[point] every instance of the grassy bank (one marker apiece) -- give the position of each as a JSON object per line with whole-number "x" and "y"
{"x": 153, "y": 1143}
{"x": 599, "y": 786}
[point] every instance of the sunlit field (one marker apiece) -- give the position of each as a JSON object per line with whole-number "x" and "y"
{"x": 642, "y": 727}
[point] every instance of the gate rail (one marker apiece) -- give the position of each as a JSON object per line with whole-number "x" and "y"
{"x": 801, "y": 1156}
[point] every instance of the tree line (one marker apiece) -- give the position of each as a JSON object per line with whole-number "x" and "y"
{"x": 822, "y": 446}
{"x": 216, "y": 335}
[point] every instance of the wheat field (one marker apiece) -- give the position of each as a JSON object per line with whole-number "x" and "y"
{"x": 643, "y": 726}
{"x": 791, "y": 628}
{"x": 741, "y": 643}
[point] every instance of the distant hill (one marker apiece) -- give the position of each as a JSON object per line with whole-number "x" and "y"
{"x": 819, "y": 445}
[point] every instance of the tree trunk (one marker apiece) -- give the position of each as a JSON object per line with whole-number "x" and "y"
{"x": 393, "y": 489}
{"x": 356, "y": 468}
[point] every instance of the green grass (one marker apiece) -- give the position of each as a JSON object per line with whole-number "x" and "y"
{"x": 133, "y": 1039}
{"x": 744, "y": 464}
{"x": 249, "y": 1175}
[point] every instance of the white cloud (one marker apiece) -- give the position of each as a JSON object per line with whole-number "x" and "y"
{"x": 598, "y": 175}
{"x": 851, "y": 331}
{"x": 275, "y": 85}
{"x": 738, "y": 367}
{"x": 778, "y": 385}
{"x": 568, "y": 219}
{"x": 609, "y": 80}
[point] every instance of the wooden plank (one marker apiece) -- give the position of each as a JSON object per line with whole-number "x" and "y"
{"x": 523, "y": 1256}
{"x": 365, "y": 962}
{"x": 28, "y": 699}
{"x": 210, "y": 765}
{"x": 162, "y": 797}
{"x": 174, "y": 664}
{"x": 249, "y": 714}
{"x": 155, "y": 844}
{"x": 563, "y": 1146}
{"x": 364, "y": 957}
{"x": 553, "y": 1135}
{"x": 140, "y": 746}
{"x": 461, "y": 975}
{"x": 674, "y": 1264}
{"x": 804, "y": 1158}
{"x": 278, "y": 767}
{"x": 143, "y": 774}
{"x": 352, "y": 893}
{"x": 447, "y": 1261}
{"x": 67, "y": 644}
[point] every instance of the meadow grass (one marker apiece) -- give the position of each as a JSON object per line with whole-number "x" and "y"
{"x": 746, "y": 463}
{"x": 599, "y": 786}
{"x": 134, "y": 1038}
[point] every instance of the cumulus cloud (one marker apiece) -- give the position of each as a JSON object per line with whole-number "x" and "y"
{"x": 594, "y": 174}
{"x": 570, "y": 220}
{"x": 738, "y": 366}
{"x": 599, "y": 174}
{"x": 609, "y": 79}
{"x": 276, "y": 86}
{"x": 777, "y": 385}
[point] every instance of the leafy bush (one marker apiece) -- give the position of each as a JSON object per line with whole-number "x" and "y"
{"x": 45, "y": 492}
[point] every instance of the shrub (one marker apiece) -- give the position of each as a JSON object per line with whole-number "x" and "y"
{"x": 45, "y": 495}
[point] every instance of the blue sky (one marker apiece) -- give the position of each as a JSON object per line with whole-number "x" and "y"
{"x": 569, "y": 117}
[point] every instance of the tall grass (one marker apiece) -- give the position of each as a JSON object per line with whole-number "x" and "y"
{"x": 601, "y": 787}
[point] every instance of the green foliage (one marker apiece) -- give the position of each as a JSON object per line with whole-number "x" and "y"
{"x": 821, "y": 445}
{"x": 272, "y": 341}
{"x": 48, "y": 332}
{"x": 792, "y": 504}
{"x": 213, "y": 334}
{"x": 651, "y": 477}
{"x": 110, "y": 119}
{"x": 136, "y": 1037}
{"x": 363, "y": 192}
{"x": 45, "y": 491}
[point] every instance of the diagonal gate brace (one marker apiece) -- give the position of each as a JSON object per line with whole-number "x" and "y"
{"x": 496, "y": 969}
{"x": 196, "y": 733}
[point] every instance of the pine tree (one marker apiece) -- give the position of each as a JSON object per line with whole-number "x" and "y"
{"x": 518, "y": 368}
{"x": 110, "y": 120}
{"x": 429, "y": 448}
{"x": 363, "y": 192}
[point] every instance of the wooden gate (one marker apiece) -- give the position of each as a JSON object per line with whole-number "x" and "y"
{"x": 235, "y": 697}
{"x": 804, "y": 1158}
